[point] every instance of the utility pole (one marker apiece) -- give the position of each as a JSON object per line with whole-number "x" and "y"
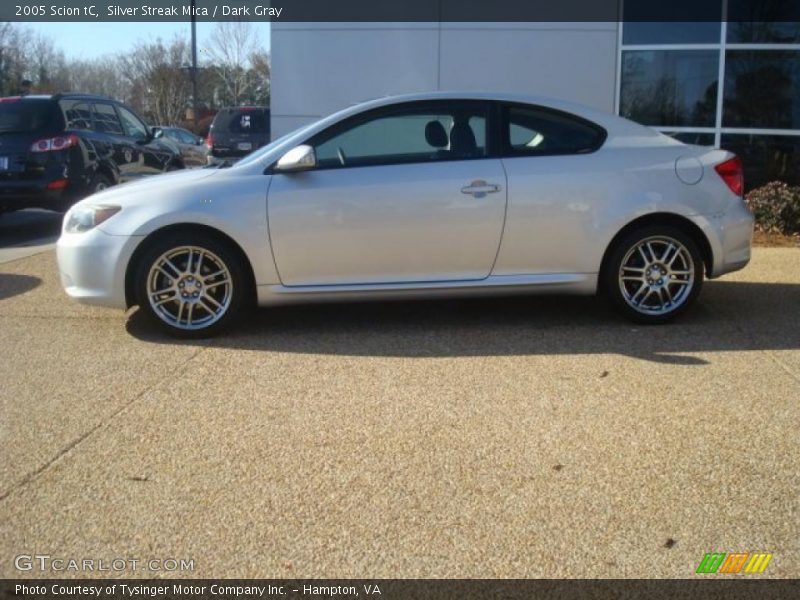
{"x": 194, "y": 65}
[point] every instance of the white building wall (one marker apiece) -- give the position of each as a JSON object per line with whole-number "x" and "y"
{"x": 319, "y": 68}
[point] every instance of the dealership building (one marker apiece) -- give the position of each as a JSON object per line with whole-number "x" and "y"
{"x": 731, "y": 84}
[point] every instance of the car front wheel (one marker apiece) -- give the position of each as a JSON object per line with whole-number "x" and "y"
{"x": 190, "y": 285}
{"x": 654, "y": 274}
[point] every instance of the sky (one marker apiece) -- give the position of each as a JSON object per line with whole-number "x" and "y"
{"x": 93, "y": 40}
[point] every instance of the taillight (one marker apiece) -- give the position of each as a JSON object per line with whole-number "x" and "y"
{"x": 731, "y": 173}
{"x": 58, "y": 184}
{"x": 210, "y": 141}
{"x": 60, "y": 142}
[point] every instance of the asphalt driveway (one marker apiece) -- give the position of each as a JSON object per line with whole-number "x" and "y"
{"x": 493, "y": 438}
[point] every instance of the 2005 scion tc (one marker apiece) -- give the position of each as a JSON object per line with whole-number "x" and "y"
{"x": 419, "y": 196}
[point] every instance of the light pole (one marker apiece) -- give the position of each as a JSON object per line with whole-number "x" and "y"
{"x": 193, "y": 71}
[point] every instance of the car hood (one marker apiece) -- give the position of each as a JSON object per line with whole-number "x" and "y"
{"x": 149, "y": 189}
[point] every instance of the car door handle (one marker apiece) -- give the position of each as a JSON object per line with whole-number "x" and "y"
{"x": 480, "y": 188}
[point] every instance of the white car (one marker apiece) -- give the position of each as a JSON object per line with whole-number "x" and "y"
{"x": 423, "y": 195}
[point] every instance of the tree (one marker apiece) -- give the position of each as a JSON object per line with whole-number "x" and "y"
{"x": 159, "y": 86}
{"x": 240, "y": 64}
{"x": 102, "y": 76}
{"x": 14, "y": 40}
{"x": 47, "y": 66}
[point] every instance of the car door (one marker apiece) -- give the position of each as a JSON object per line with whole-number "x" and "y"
{"x": 404, "y": 194}
{"x": 559, "y": 190}
{"x": 151, "y": 156}
{"x": 111, "y": 137}
{"x": 191, "y": 149}
{"x": 175, "y": 137}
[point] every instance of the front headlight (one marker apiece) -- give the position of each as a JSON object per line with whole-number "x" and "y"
{"x": 84, "y": 218}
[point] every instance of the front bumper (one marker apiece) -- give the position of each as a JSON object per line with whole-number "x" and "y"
{"x": 92, "y": 266}
{"x": 730, "y": 235}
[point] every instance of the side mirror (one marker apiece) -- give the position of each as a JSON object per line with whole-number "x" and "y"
{"x": 300, "y": 158}
{"x": 199, "y": 141}
{"x": 156, "y": 132}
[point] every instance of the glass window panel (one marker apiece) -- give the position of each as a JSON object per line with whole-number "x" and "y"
{"x": 763, "y": 21}
{"x": 762, "y": 89}
{"x": 105, "y": 119}
{"x": 413, "y": 135}
{"x": 670, "y": 32}
{"x": 535, "y": 131}
{"x": 766, "y": 157}
{"x": 133, "y": 126}
{"x": 670, "y": 87}
{"x": 645, "y": 22}
{"x": 691, "y": 137}
{"x": 77, "y": 113}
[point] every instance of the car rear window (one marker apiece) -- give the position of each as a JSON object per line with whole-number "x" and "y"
{"x": 242, "y": 121}
{"x": 27, "y": 116}
{"x": 540, "y": 131}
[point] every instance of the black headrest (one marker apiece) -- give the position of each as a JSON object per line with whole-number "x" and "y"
{"x": 462, "y": 139}
{"x": 435, "y": 134}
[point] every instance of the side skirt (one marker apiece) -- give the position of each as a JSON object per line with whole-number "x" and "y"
{"x": 495, "y": 285}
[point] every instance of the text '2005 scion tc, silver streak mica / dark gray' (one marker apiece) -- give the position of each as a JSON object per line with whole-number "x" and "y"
{"x": 419, "y": 196}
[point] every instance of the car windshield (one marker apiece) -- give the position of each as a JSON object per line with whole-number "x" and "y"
{"x": 25, "y": 116}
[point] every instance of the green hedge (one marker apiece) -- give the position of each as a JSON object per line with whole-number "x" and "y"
{"x": 776, "y": 207}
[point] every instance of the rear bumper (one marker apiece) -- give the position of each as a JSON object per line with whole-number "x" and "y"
{"x": 16, "y": 195}
{"x": 730, "y": 235}
{"x": 229, "y": 153}
{"x": 92, "y": 266}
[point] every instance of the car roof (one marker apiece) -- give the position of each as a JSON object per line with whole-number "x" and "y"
{"x": 603, "y": 118}
{"x": 60, "y": 95}
{"x": 555, "y": 103}
{"x": 247, "y": 107}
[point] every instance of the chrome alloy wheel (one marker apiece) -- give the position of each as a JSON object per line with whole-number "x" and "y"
{"x": 189, "y": 287}
{"x": 656, "y": 275}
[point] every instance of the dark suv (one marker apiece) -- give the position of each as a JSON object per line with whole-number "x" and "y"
{"x": 55, "y": 150}
{"x": 237, "y": 131}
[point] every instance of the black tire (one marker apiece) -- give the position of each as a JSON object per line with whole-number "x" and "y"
{"x": 667, "y": 282}
{"x": 217, "y": 254}
{"x": 98, "y": 183}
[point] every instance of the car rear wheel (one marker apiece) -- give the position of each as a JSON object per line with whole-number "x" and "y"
{"x": 654, "y": 274}
{"x": 99, "y": 183}
{"x": 190, "y": 285}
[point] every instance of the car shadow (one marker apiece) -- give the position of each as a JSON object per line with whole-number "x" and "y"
{"x": 730, "y": 316}
{"x": 13, "y": 285}
{"x": 29, "y": 228}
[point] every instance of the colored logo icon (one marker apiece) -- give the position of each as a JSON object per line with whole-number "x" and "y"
{"x": 739, "y": 562}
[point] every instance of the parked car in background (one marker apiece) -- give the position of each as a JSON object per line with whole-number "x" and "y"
{"x": 55, "y": 150}
{"x": 237, "y": 131}
{"x": 419, "y": 196}
{"x": 193, "y": 149}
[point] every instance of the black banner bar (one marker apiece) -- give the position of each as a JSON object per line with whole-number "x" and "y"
{"x": 715, "y": 587}
{"x": 400, "y": 10}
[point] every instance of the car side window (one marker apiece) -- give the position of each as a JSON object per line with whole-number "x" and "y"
{"x": 133, "y": 126}
{"x": 405, "y": 135}
{"x": 185, "y": 137}
{"x": 78, "y": 114}
{"x": 541, "y": 132}
{"x": 106, "y": 120}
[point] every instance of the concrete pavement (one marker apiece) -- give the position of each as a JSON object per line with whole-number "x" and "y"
{"x": 494, "y": 438}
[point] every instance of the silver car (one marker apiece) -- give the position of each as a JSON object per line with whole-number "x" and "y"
{"x": 423, "y": 195}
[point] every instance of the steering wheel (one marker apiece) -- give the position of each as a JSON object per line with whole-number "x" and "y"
{"x": 342, "y": 157}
